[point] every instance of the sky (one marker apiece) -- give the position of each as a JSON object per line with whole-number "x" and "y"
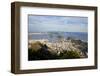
{"x": 47, "y": 23}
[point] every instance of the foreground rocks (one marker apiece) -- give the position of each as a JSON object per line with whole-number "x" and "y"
{"x": 64, "y": 49}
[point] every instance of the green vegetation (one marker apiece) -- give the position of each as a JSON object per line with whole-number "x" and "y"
{"x": 70, "y": 55}
{"x": 39, "y": 51}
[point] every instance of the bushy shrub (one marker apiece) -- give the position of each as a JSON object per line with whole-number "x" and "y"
{"x": 45, "y": 55}
{"x": 40, "y": 51}
{"x": 70, "y": 55}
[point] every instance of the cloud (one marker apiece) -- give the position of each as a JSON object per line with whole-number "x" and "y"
{"x": 39, "y": 23}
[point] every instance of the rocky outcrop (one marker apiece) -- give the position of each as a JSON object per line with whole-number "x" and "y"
{"x": 65, "y": 49}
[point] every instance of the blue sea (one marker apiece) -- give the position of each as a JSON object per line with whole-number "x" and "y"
{"x": 54, "y": 35}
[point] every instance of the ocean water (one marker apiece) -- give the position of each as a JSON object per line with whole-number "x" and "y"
{"x": 52, "y": 36}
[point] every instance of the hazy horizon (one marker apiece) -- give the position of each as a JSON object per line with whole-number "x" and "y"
{"x": 39, "y": 23}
